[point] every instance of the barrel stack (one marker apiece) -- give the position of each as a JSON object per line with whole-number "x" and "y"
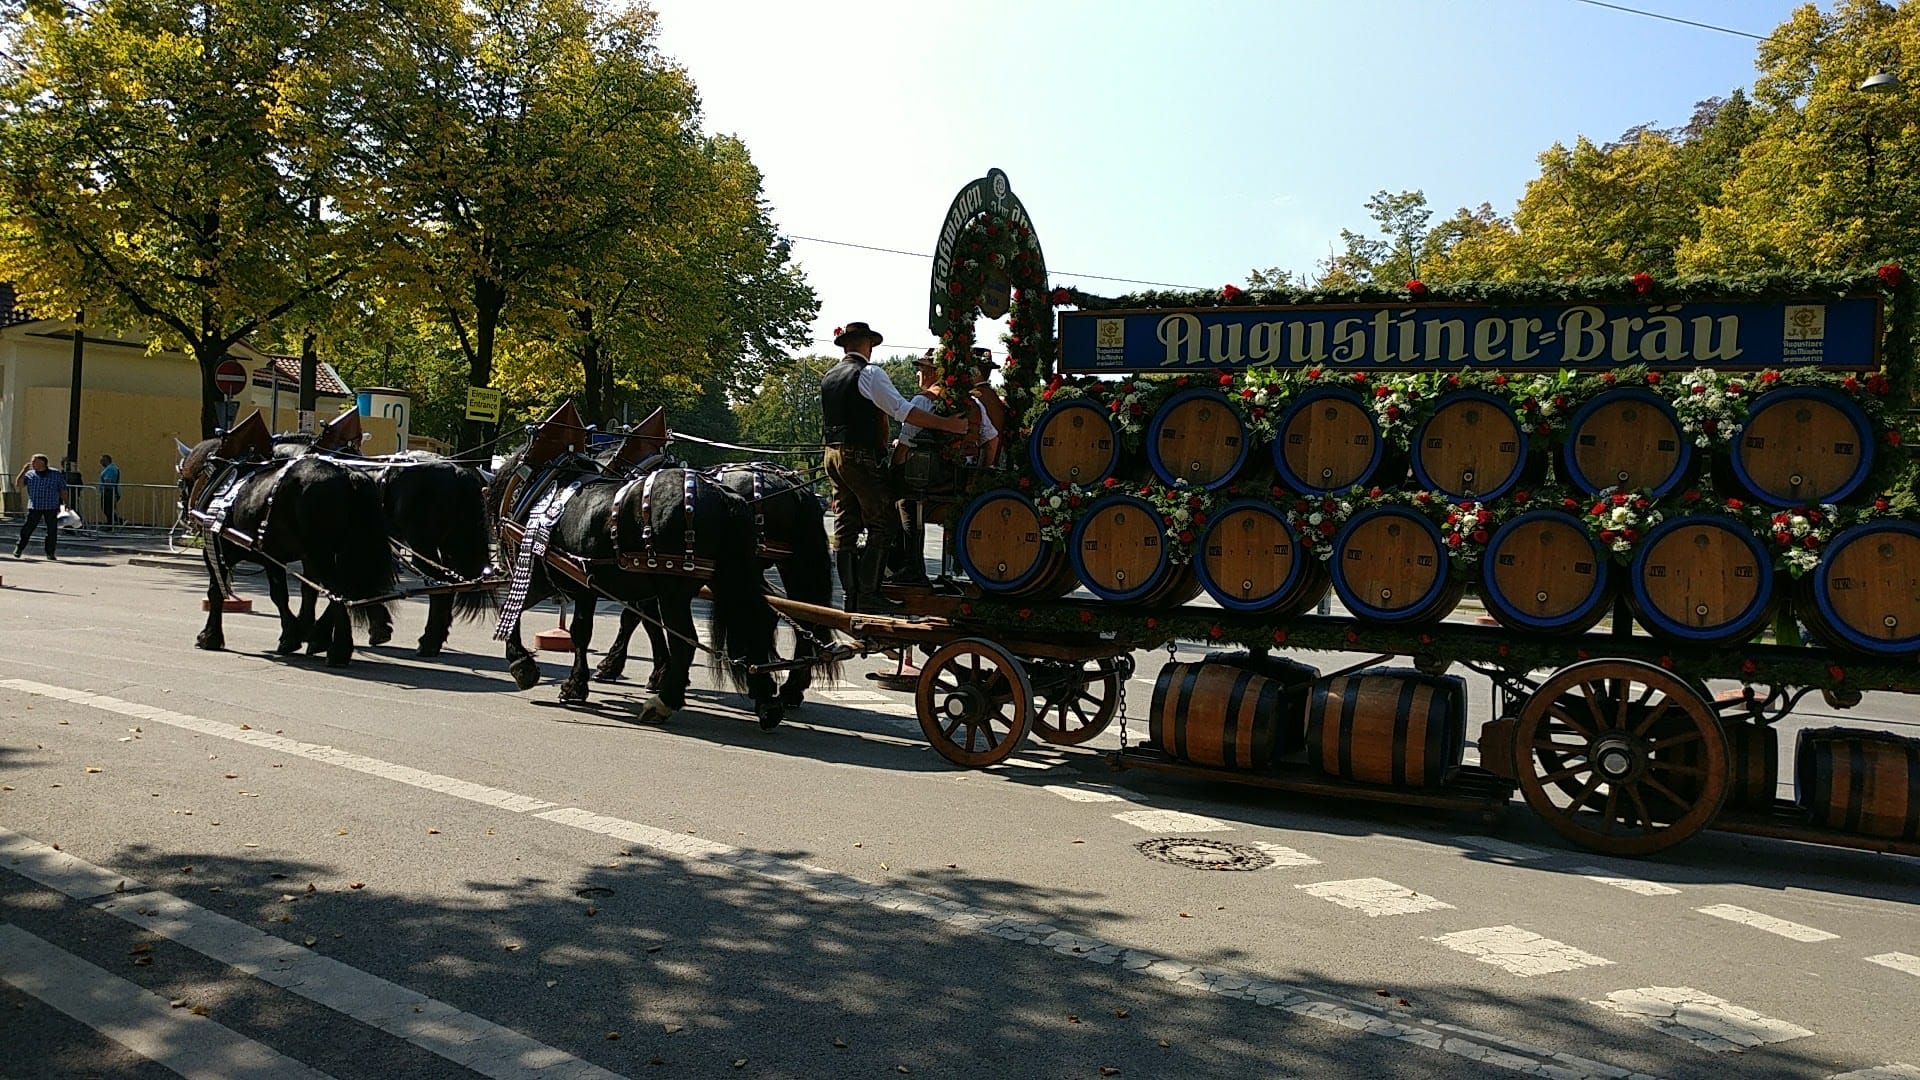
{"x": 1250, "y": 561}
{"x": 1120, "y": 552}
{"x": 1000, "y": 547}
{"x": 1197, "y": 437}
{"x": 1328, "y": 440}
{"x": 1391, "y": 566}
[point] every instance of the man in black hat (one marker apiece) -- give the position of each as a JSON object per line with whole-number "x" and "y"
{"x": 857, "y": 400}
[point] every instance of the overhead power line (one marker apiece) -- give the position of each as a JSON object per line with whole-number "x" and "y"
{"x": 925, "y": 255}
{"x": 1672, "y": 19}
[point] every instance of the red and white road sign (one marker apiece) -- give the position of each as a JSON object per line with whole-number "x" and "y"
{"x": 230, "y": 376}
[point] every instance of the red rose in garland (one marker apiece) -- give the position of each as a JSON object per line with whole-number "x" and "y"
{"x": 1642, "y": 283}
{"x": 1060, "y": 297}
{"x": 1231, "y": 294}
{"x": 1890, "y": 275}
{"x": 1417, "y": 289}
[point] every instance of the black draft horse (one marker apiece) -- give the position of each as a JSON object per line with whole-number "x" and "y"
{"x": 311, "y": 511}
{"x": 721, "y": 525}
{"x": 437, "y": 518}
{"x": 791, "y": 531}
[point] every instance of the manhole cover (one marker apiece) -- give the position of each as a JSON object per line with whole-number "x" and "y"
{"x": 1197, "y": 854}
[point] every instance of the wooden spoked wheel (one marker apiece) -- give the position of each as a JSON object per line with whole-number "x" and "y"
{"x": 975, "y": 703}
{"x": 1077, "y": 701}
{"x": 1621, "y": 756}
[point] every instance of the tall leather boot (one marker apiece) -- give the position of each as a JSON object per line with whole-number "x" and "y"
{"x": 872, "y": 564}
{"x": 846, "y": 560}
{"x": 910, "y": 566}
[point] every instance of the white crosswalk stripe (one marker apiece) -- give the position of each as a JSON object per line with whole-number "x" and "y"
{"x": 1700, "y": 1018}
{"x": 1082, "y": 793}
{"x": 1633, "y": 885}
{"x": 1892, "y": 1070}
{"x": 1171, "y": 821}
{"x": 1521, "y": 952}
{"x": 1760, "y": 921}
{"x": 1504, "y": 849}
{"x": 1375, "y": 896}
{"x": 1898, "y": 961}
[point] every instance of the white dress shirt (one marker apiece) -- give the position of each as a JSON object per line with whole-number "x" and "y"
{"x": 922, "y": 401}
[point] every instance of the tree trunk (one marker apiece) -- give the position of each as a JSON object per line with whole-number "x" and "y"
{"x": 208, "y": 355}
{"x": 488, "y": 298}
{"x": 309, "y": 375}
{"x": 593, "y": 397}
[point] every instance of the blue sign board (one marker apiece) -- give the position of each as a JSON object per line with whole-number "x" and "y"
{"x": 1727, "y": 334}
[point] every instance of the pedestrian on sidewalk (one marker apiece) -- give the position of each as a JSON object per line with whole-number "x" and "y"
{"x": 46, "y": 496}
{"x": 109, "y": 490}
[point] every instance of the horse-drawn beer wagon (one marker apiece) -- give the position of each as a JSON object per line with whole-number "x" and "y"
{"x": 1715, "y": 469}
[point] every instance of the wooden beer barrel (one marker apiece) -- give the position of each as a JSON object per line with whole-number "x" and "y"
{"x": 1703, "y": 579}
{"x": 1118, "y": 549}
{"x": 1627, "y": 438}
{"x": 1231, "y": 716}
{"x": 1753, "y": 757}
{"x": 1074, "y": 442}
{"x": 1390, "y": 566}
{"x": 1327, "y": 440}
{"x": 1471, "y": 447}
{"x": 1197, "y": 436}
{"x": 1865, "y": 782}
{"x": 1248, "y": 560}
{"x": 1864, "y": 594}
{"x": 1543, "y": 572}
{"x": 1804, "y": 445}
{"x": 1387, "y": 726}
{"x": 1000, "y": 548}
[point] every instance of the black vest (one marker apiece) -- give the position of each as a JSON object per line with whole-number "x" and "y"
{"x": 847, "y": 418}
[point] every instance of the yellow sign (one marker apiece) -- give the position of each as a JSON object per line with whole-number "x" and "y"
{"x": 483, "y": 404}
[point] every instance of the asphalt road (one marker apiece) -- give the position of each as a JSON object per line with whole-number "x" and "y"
{"x": 232, "y": 864}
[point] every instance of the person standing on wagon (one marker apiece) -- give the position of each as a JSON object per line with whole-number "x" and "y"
{"x": 857, "y": 401}
{"x": 46, "y": 496}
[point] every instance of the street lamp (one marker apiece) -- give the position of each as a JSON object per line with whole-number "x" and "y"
{"x": 1880, "y": 82}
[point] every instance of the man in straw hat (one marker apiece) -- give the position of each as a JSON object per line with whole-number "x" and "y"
{"x": 857, "y": 400}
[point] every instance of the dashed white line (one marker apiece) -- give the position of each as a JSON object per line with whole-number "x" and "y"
{"x": 1375, "y": 896}
{"x": 139, "y": 1019}
{"x": 1760, "y": 921}
{"x": 1520, "y": 952}
{"x": 1360, "y": 1016}
{"x": 1706, "y": 1021}
{"x": 1503, "y": 848}
{"x": 1892, "y": 1070}
{"x": 1898, "y": 961}
{"x": 1171, "y": 821}
{"x": 1285, "y": 856}
{"x": 1633, "y": 885}
{"x": 1082, "y": 793}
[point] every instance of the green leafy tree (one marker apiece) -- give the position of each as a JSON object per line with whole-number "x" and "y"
{"x": 784, "y": 410}
{"x": 185, "y": 165}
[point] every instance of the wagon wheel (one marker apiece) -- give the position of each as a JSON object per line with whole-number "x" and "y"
{"x": 1621, "y": 756}
{"x": 1077, "y": 702}
{"x": 975, "y": 702}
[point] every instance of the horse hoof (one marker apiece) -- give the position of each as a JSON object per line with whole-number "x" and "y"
{"x": 792, "y": 700}
{"x": 770, "y": 716}
{"x": 526, "y": 673}
{"x": 572, "y": 692}
{"x": 654, "y": 680}
{"x": 379, "y": 635}
{"x": 337, "y": 661}
{"x": 609, "y": 672}
{"x": 209, "y": 643}
{"x": 287, "y": 646}
{"x": 426, "y": 648}
{"x": 655, "y": 711}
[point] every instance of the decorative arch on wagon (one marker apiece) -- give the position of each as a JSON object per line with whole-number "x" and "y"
{"x": 988, "y": 262}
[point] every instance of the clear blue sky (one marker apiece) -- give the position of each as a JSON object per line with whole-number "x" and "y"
{"x": 1176, "y": 142}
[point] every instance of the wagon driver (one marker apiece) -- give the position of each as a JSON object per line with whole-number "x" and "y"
{"x": 857, "y": 401}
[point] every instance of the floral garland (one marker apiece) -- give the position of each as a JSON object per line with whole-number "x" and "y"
{"x": 1184, "y": 512}
{"x": 1059, "y": 508}
{"x": 1620, "y": 520}
{"x": 989, "y": 248}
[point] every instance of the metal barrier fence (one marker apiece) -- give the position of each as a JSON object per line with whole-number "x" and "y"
{"x": 145, "y": 506}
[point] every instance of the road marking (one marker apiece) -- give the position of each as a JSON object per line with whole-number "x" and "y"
{"x": 855, "y": 696}
{"x": 138, "y": 1019}
{"x": 1171, "y": 821}
{"x": 1759, "y": 921}
{"x": 58, "y": 870}
{"x": 1375, "y": 896}
{"x": 1633, "y": 885}
{"x": 1898, "y": 961}
{"x": 1357, "y": 1015}
{"x": 1706, "y": 1021}
{"x": 1504, "y": 849}
{"x": 1081, "y": 793}
{"x": 1892, "y": 1070}
{"x": 1521, "y": 952}
{"x": 1285, "y": 856}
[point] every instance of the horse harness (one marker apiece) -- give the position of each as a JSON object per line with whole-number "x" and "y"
{"x": 649, "y": 560}
{"x": 763, "y": 545}
{"x": 210, "y": 501}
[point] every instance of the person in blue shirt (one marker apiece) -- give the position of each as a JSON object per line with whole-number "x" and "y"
{"x": 46, "y": 496}
{"x": 109, "y": 490}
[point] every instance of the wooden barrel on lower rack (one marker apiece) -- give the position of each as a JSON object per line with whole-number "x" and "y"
{"x": 1865, "y": 782}
{"x": 1864, "y": 594}
{"x": 1074, "y": 442}
{"x": 1390, "y": 566}
{"x": 1387, "y": 726}
{"x": 1471, "y": 447}
{"x": 1197, "y": 436}
{"x": 1702, "y": 579}
{"x": 1119, "y": 551}
{"x": 1627, "y": 438}
{"x": 1231, "y": 715}
{"x": 1249, "y": 560}
{"x": 1327, "y": 440}
{"x": 1544, "y": 573}
{"x": 1803, "y": 445}
{"x": 1753, "y": 758}
{"x": 999, "y": 546}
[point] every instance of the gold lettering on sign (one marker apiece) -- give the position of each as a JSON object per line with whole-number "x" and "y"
{"x": 1446, "y": 340}
{"x": 1522, "y": 350}
{"x": 1306, "y": 342}
{"x": 1181, "y": 335}
{"x": 1580, "y": 328}
{"x": 1223, "y": 344}
{"x": 1620, "y": 344}
{"x": 1265, "y": 343}
{"x": 1349, "y": 340}
{"x": 1664, "y": 340}
{"x": 1704, "y": 347}
{"x": 1489, "y": 339}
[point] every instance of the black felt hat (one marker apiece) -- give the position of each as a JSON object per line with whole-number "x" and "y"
{"x": 856, "y": 329}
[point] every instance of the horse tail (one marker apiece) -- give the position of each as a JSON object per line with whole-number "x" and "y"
{"x": 807, "y": 575}
{"x": 363, "y": 566}
{"x": 468, "y": 545}
{"x": 743, "y": 621}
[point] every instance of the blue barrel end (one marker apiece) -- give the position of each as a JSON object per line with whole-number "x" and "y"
{"x": 1040, "y": 427}
{"x": 1155, "y": 426}
{"x": 1229, "y": 599}
{"x": 1077, "y": 539}
{"x": 1581, "y": 615}
{"x": 1823, "y": 588}
{"x": 1413, "y": 612}
{"x": 1318, "y": 485}
{"x": 1429, "y": 483}
{"x": 1647, "y": 398}
{"x": 1738, "y": 628}
{"x": 966, "y": 563}
{"x": 1856, "y": 419}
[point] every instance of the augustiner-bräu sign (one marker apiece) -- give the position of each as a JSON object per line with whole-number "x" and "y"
{"x": 1729, "y": 334}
